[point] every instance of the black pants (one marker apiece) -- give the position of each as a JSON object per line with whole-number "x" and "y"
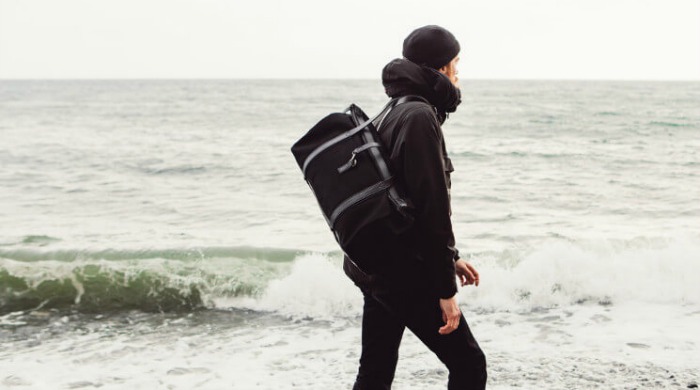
{"x": 387, "y": 314}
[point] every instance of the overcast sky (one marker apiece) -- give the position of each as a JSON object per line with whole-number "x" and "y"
{"x": 501, "y": 39}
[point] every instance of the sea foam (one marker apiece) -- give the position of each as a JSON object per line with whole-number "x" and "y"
{"x": 557, "y": 274}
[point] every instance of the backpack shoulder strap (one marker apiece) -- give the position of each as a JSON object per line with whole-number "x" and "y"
{"x": 396, "y": 102}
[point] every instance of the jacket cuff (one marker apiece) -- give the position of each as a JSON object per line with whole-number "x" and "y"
{"x": 448, "y": 291}
{"x": 446, "y": 283}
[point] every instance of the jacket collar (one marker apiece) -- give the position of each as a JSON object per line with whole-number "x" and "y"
{"x": 402, "y": 77}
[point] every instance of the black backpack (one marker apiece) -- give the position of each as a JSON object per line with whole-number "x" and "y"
{"x": 345, "y": 164}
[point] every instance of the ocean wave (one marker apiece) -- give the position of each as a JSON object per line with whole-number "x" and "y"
{"x": 174, "y": 170}
{"x": 146, "y": 284}
{"x": 39, "y": 240}
{"x": 558, "y": 273}
{"x": 35, "y": 240}
{"x": 608, "y": 113}
{"x": 91, "y": 289}
{"x": 195, "y": 253}
{"x": 669, "y": 124}
{"x": 599, "y": 271}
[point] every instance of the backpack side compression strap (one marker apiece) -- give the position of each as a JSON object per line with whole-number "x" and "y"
{"x": 357, "y": 198}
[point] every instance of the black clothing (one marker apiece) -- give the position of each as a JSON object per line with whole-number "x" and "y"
{"x": 419, "y": 161}
{"x": 431, "y": 46}
{"x": 385, "y": 317}
{"x": 402, "y": 77}
{"x": 414, "y": 268}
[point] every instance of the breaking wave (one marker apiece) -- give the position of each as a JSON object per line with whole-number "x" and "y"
{"x": 147, "y": 280}
{"x": 555, "y": 274}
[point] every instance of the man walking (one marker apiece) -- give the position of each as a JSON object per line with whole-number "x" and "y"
{"x": 417, "y": 289}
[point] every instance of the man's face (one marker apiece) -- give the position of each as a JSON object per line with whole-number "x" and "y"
{"x": 450, "y": 70}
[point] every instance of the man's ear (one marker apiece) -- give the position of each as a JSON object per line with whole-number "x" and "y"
{"x": 443, "y": 70}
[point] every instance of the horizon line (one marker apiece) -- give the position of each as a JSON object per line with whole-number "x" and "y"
{"x": 321, "y": 79}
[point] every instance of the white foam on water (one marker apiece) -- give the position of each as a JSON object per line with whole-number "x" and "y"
{"x": 624, "y": 316}
{"x": 589, "y": 347}
{"x": 558, "y": 274}
{"x": 561, "y": 274}
{"x": 316, "y": 287}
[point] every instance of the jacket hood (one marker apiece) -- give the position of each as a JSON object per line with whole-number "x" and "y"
{"x": 402, "y": 77}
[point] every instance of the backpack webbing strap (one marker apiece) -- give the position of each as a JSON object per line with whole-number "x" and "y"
{"x": 358, "y": 197}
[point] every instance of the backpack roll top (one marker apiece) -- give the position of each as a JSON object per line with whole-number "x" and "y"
{"x": 344, "y": 163}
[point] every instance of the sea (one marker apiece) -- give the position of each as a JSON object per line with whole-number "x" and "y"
{"x": 158, "y": 234}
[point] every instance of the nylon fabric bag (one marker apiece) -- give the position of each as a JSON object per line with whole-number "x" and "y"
{"x": 344, "y": 163}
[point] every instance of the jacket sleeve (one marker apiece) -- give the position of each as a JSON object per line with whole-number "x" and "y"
{"x": 424, "y": 174}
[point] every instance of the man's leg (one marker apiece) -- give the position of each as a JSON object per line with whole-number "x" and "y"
{"x": 381, "y": 337}
{"x": 458, "y": 350}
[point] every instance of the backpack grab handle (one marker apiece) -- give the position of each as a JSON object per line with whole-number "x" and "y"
{"x": 353, "y": 156}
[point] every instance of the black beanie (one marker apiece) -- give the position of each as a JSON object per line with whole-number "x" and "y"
{"x": 432, "y": 46}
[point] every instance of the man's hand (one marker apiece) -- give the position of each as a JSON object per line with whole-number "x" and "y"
{"x": 466, "y": 273}
{"x": 450, "y": 314}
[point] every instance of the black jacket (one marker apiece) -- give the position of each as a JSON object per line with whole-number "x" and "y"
{"x": 418, "y": 158}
